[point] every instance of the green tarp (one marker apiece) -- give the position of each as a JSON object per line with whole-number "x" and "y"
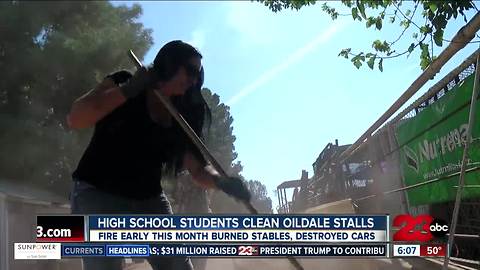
{"x": 431, "y": 147}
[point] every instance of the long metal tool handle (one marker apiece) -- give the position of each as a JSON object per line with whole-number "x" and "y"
{"x": 199, "y": 144}
{"x": 191, "y": 133}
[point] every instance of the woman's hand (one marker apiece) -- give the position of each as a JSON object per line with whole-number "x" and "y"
{"x": 234, "y": 187}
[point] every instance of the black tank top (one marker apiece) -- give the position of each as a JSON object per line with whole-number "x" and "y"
{"x": 127, "y": 151}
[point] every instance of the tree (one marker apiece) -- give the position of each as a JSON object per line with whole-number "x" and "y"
{"x": 425, "y": 20}
{"x": 260, "y": 199}
{"x": 50, "y": 54}
{"x": 220, "y": 140}
{"x": 219, "y": 136}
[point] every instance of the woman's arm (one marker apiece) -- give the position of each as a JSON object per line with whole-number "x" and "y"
{"x": 96, "y": 104}
{"x": 208, "y": 177}
{"x": 90, "y": 108}
{"x": 202, "y": 175}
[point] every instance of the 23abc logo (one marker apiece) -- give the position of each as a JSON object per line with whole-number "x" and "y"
{"x": 429, "y": 228}
{"x": 248, "y": 250}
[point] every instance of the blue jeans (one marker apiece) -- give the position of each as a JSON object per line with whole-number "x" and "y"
{"x": 87, "y": 200}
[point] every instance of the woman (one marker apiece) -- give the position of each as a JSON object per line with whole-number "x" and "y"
{"x": 135, "y": 138}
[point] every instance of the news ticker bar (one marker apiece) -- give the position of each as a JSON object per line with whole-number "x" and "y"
{"x": 66, "y": 250}
{"x": 223, "y": 228}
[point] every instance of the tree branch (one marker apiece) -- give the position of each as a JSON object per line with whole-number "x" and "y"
{"x": 410, "y": 20}
{"x": 396, "y": 55}
{"x": 398, "y": 8}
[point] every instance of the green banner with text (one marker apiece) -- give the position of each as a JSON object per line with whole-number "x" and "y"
{"x": 431, "y": 148}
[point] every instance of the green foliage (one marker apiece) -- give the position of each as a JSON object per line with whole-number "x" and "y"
{"x": 332, "y": 12}
{"x": 425, "y": 56}
{"x": 435, "y": 16}
{"x": 54, "y": 51}
{"x": 278, "y": 5}
{"x": 220, "y": 140}
{"x": 50, "y": 54}
{"x": 219, "y": 136}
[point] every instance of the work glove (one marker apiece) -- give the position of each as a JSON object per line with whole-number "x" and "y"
{"x": 234, "y": 187}
{"x": 120, "y": 76}
{"x": 141, "y": 80}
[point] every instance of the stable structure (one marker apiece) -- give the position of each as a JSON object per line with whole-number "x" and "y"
{"x": 412, "y": 164}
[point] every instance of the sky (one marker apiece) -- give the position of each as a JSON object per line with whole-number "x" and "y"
{"x": 289, "y": 92}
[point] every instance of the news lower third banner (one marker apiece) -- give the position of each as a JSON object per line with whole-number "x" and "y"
{"x": 221, "y": 229}
{"x": 211, "y": 236}
{"x": 343, "y": 236}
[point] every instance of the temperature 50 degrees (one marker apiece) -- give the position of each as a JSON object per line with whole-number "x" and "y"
{"x": 433, "y": 250}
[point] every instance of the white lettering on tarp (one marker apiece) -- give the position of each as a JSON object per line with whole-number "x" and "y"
{"x": 432, "y": 149}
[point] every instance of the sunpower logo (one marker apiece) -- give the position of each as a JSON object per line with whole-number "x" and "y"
{"x": 427, "y": 150}
{"x": 37, "y": 251}
{"x": 429, "y": 228}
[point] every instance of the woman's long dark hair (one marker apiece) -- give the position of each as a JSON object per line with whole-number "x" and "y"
{"x": 191, "y": 105}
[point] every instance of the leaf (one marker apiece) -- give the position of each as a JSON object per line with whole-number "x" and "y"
{"x": 370, "y": 21}
{"x": 357, "y": 64}
{"x": 425, "y": 59}
{"x": 425, "y": 29}
{"x": 355, "y": 13}
{"x": 361, "y": 8}
{"x": 424, "y": 63}
{"x": 392, "y": 19}
{"x": 380, "y": 65}
{"x": 438, "y": 37}
{"x": 371, "y": 62}
{"x": 440, "y": 22}
{"x": 357, "y": 60}
{"x": 411, "y": 47}
{"x": 433, "y": 7}
{"x": 378, "y": 24}
{"x": 405, "y": 23}
{"x": 330, "y": 11}
{"x": 345, "y": 52}
{"x": 361, "y": 56}
{"x": 347, "y": 3}
{"x": 381, "y": 46}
